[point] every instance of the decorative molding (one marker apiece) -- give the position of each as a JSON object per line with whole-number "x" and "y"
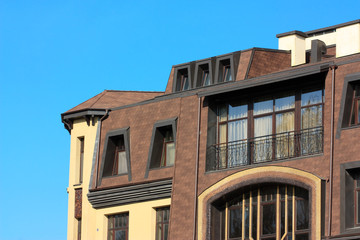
{"x": 130, "y": 194}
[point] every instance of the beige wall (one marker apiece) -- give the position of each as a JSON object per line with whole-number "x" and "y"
{"x": 296, "y": 44}
{"x": 80, "y": 129}
{"x": 142, "y": 216}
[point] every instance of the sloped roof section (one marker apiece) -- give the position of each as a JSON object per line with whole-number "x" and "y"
{"x": 110, "y": 99}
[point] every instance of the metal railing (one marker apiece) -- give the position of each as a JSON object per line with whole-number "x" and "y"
{"x": 266, "y": 148}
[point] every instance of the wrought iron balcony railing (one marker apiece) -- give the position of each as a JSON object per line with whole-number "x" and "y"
{"x": 266, "y": 148}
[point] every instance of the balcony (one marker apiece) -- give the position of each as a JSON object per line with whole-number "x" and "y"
{"x": 266, "y": 148}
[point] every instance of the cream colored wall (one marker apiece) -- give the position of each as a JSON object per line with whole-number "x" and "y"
{"x": 328, "y": 39}
{"x": 296, "y": 44}
{"x": 142, "y": 216}
{"x": 142, "y": 219}
{"x": 81, "y": 129}
{"x": 348, "y": 40}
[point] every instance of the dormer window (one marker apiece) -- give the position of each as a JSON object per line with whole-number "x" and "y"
{"x": 168, "y": 152}
{"x": 355, "y": 111}
{"x": 203, "y": 73}
{"x": 182, "y": 79}
{"x": 162, "y": 145}
{"x": 206, "y": 78}
{"x": 227, "y": 73}
{"x": 116, "y": 155}
{"x": 120, "y": 163}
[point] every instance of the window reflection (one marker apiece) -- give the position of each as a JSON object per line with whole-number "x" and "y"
{"x": 285, "y": 196}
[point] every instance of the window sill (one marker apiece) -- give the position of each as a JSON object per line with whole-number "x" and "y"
{"x": 351, "y": 127}
{"x": 113, "y": 176}
{"x": 158, "y": 168}
{"x": 254, "y": 165}
{"x": 77, "y": 185}
{"x": 350, "y": 231}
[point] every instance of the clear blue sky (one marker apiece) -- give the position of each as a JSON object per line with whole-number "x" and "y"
{"x": 57, "y": 54}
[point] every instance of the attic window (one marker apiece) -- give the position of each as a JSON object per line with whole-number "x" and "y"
{"x": 225, "y": 71}
{"x": 163, "y": 152}
{"x": 203, "y": 73}
{"x": 162, "y": 146}
{"x": 182, "y": 79}
{"x": 116, "y": 155}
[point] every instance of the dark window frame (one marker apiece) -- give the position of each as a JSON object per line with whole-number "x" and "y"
{"x": 79, "y": 229}
{"x": 355, "y": 106}
{"x": 182, "y": 71}
{"x": 154, "y": 144}
{"x": 81, "y": 159}
{"x": 346, "y": 103}
{"x": 218, "y": 205}
{"x": 112, "y": 231}
{"x": 162, "y": 222}
{"x": 348, "y": 206}
{"x": 228, "y": 60}
{"x": 201, "y": 67}
{"x": 250, "y": 117}
{"x": 108, "y": 159}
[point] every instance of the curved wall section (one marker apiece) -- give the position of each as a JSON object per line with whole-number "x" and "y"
{"x": 257, "y": 176}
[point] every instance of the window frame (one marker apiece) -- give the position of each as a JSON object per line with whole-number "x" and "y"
{"x": 355, "y": 106}
{"x": 162, "y": 222}
{"x": 346, "y": 103}
{"x": 114, "y": 229}
{"x": 182, "y": 71}
{"x": 81, "y": 159}
{"x": 297, "y": 115}
{"x": 109, "y": 159}
{"x": 202, "y": 66}
{"x": 231, "y": 60}
{"x": 154, "y": 144}
{"x": 348, "y": 203}
{"x": 253, "y": 197}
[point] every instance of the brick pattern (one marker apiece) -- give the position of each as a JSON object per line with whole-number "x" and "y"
{"x": 78, "y": 203}
{"x": 243, "y": 64}
{"x": 265, "y": 62}
{"x": 141, "y": 120}
{"x": 170, "y": 82}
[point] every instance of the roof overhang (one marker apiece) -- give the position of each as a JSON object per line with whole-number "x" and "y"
{"x": 68, "y": 117}
{"x": 267, "y": 79}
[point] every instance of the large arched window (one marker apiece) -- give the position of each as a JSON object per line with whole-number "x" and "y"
{"x": 266, "y": 212}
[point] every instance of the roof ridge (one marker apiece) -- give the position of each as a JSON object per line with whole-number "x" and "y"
{"x": 102, "y": 94}
{"x": 134, "y": 91}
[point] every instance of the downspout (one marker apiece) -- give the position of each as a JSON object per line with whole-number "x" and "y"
{"x": 333, "y": 67}
{"x": 197, "y": 168}
{"x": 98, "y": 148}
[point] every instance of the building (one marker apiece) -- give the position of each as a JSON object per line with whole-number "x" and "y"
{"x": 255, "y": 144}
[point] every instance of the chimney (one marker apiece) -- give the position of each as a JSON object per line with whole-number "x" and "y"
{"x": 318, "y": 49}
{"x": 295, "y": 42}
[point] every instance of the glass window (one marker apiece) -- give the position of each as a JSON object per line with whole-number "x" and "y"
{"x": 162, "y": 223}
{"x": 355, "y": 111}
{"x": 118, "y": 227}
{"x": 163, "y": 147}
{"x": 185, "y": 82}
{"x": 279, "y": 128}
{"x": 120, "y": 161}
{"x": 168, "y": 153}
{"x": 79, "y": 229}
{"x": 227, "y": 73}
{"x": 206, "y": 81}
{"x": 81, "y": 159}
{"x": 271, "y": 208}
